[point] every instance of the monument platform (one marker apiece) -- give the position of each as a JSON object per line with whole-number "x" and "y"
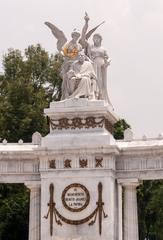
{"x": 79, "y": 123}
{"x": 77, "y": 158}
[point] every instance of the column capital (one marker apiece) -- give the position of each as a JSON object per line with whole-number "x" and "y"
{"x": 129, "y": 182}
{"x": 33, "y": 185}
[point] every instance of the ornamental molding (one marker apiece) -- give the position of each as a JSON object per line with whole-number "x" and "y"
{"x": 151, "y": 174}
{"x": 55, "y": 216}
{"x": 137, "y": 163}
{"x": 141, "y": 151}
{"x": 81, "y": 123}
{"x": 19, "y": 166}
{"x": 78, "y": 162}
{"x": 74, "y": 194}
{"x": 111, "y": 151}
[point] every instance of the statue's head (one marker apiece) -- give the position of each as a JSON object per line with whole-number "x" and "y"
{"x": 75, "y": 34}
{"x": 81, "y": 57}
{"x": 97, "y": 39}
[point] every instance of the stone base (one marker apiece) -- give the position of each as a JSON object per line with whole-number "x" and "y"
{"x": 79, "y": 123}
{"x": 82, "y": 231}
{"x": 79, "y": 150}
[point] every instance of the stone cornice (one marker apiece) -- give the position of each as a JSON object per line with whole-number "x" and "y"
{"x": 141, "y": 151}
{"x": 150, "y": 174}
{"x": 112, "y": 149}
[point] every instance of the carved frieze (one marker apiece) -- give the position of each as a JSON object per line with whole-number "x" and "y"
{"x": 17, "y": 166}
{"x": 52, "y": 164}
{"x": 140, "y": 164}
{"x": 67, "y": 163}
{"x": 80, "y": 123}
{"x": 98, "y": 162}
{"x": 83, "y": 163}
{"x": 80, "y": 160}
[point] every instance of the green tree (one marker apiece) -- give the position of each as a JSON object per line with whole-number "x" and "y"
{"x": 150, "y": 209}
{"x": 26, "y": 88}
{"x": 30, "y": 81}
{"x": 14, "y": 212}
{"x": 119, "y": 128}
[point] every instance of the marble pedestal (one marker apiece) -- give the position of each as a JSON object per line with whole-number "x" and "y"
{"x": 79, "y": 149}
{"x": 79, "y": 123}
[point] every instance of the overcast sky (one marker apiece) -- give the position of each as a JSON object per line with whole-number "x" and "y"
{"x": 132, "y": 35}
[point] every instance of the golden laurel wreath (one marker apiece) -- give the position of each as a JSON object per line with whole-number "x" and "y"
{"x": 71, "y": 54}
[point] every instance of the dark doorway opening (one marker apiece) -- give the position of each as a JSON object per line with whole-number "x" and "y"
{"x": 14, "y": 211}
{"x": 150, "y": 210}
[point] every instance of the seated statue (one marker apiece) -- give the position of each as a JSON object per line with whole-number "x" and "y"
{"x": 82, "y": 79}
{"x": 83, "y": 84}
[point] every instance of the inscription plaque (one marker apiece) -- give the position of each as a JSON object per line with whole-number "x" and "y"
{"x": 75, "y": 197}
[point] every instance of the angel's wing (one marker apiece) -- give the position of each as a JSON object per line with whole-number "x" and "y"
{"x": 92, "y": 30}
{"x": 58, "y": 34}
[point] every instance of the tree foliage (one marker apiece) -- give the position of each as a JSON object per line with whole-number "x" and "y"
{"x": 26, "y": 88}
{"x": 30, "y": 81}
{"x": 150, "y": 209}
{"x": 119, "y": 128}
{"x": 14, "y": 212}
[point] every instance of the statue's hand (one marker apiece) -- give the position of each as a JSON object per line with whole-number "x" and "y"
{"x": 78, "y": 76}
{"x": 86, "y": 17}
{"x": 107, "y": 63}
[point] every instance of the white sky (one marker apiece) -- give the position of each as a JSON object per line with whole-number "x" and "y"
{"x": 132, "y": 34}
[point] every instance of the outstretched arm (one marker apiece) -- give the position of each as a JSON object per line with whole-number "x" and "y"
{"x": 84, "y": 30}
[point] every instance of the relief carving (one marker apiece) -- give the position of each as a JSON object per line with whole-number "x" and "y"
{"x": 55, "y": 216}
{"x": 52, "y": 164}
{"x": 67, "y": 163}
{"x": 98, "y": 162}
{"x": 80, "y": 123}
{"x": 83, "y": 163}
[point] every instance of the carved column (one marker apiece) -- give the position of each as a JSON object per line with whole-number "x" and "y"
{"x": 34, "y": 210}
{"x": 130, "y": 210}
{"x": 120, "y": 230}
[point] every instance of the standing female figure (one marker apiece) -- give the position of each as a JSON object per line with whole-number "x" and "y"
{"x": 101, "y": 61}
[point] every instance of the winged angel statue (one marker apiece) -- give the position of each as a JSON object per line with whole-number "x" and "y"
{"x": 84, "y": 68}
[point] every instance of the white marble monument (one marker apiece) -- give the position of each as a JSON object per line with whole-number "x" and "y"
{"x": 77, "y": 178}
{"x": 78, "y": 173}
{"x": 78, "y": 158}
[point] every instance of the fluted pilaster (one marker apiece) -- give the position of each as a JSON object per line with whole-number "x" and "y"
{"x": 34, "y": 210}
{"x": 130, "y": 211}
{"x": 120, "y": 230}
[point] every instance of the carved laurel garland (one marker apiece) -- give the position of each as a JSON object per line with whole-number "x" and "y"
{"x": 91, "y": 219}
{"x": 80, "y": 123}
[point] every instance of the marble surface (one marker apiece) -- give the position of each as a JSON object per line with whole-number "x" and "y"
{"x": 84, "y": 67}
{"x": 90, "y": 180}
{"x": 82, "y": 152}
